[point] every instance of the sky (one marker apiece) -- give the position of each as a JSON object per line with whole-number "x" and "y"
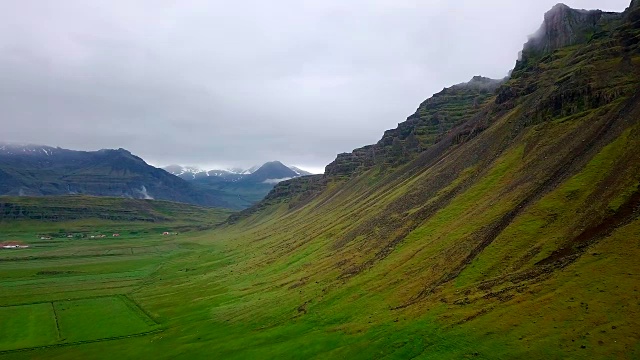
{"x": 237, "y": 83}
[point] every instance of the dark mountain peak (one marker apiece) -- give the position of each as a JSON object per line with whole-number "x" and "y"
{"x": 564, "y": 26}
{"x": 272, "y": 171}
{"x": 559, "y": 7}
{"x": 633, "y": 13}
{"x": 274, "y": 164}
{"x": 274, "y": 167}
{"x": 120, "y": 154}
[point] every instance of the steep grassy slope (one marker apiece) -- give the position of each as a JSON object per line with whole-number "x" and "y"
{"x": 523, "y": 219}
{"x": 512, "y": 233}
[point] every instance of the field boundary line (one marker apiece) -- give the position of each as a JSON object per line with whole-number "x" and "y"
{"x": 135, "y": 307}
{"x": 55, "y": 317}
{"x": 63, "y": 300}
{"x": 3, "y": 352}
{"x": 61, "y": 257}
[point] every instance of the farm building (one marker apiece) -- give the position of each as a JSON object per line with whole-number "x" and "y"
{"x": 13, "y": 245}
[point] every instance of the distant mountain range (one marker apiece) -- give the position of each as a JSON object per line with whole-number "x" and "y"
{"x": 274, "y": 168}
{"x": 242, "y": 187}
{"x": 36, "y": 170}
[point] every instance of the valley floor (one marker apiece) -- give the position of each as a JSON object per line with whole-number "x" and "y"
{"x": 202, "y": 295}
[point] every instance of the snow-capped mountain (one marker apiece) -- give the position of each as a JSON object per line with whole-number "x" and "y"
{"x": 36, "y": 170}
{"x": 275, "y": 170}
{"x": 242, "y": 187}
{"x": 15, "y": 149}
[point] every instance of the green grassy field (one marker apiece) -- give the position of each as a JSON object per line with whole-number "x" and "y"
{"x": 69, "y": 321}
{"x": 25, "y": 326}
{"x": 100, "y": 318}
{"x": 516, "y": 236}
{"x": 209, "y": 295}
{"x": 73, "y": 290}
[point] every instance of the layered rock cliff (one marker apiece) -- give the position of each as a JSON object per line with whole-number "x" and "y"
{"x": 433, "y": 119}
{"x": 563, "y": 27}
{"x": 577, "y": 61}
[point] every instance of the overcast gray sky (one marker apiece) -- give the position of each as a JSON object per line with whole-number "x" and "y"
{"x": 237, "y": 83}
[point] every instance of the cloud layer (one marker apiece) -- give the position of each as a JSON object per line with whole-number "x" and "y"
{"x": 240, "y": 83}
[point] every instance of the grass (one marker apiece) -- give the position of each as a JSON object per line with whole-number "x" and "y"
{"x": 210, "y": 304}
{"x": 79, "y": 207}
{"x": 77, "y": 286}
{"x": 27, "y": 326}
{"x": 99, "y": 318}
{"x": 436, "y": 259}
{"x": 71, "y": 321}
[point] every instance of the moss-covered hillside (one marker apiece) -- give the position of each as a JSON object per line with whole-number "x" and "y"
{"x": 508, "y": 216}
{"x": 499, "y": 221}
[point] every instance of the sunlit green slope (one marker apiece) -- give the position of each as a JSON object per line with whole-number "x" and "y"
{"x": 511, "y": 233}
{"x": 517, "y": 230}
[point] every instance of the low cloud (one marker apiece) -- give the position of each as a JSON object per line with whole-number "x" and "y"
{"x": 275, "y": 181}
{"x": 236, "y": 84}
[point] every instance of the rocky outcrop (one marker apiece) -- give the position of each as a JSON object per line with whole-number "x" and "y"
{"x": 633, "y": 14}
{"x": 548, "y": 84}
{"x": 562, "y": 27}
{"x": 433, "y": 119}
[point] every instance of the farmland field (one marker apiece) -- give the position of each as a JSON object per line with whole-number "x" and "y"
{"x": 68, "y": 289}
{"x": 100, "y": 318}
{"x": 27, "y": 326}
{"x": 236, "y": 293}
{"x": 71, "y": 321}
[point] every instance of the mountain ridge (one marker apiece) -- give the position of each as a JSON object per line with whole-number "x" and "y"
{"x": 244, "y": 187}
{"x": 511, "y": 211}
{"x": 32, "y": 170}
{"x": 235, "y": 174}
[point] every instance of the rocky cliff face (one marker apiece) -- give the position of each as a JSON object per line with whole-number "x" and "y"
{"x": 526, "y": 213}
{"x": 633, "y": 14}
{"x": 433, "y": 119}
{"x": 564, "y": 26}
{"x": 553, "y": 80}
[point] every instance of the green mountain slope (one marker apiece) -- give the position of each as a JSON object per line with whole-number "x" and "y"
{"x": 505, "y": 228}
{"x": 514, "y": 227}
